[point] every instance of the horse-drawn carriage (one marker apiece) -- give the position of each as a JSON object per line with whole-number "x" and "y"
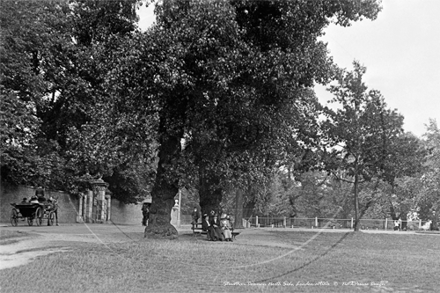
{"x": 35, "y": 211}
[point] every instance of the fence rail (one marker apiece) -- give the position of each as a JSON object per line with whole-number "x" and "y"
{"x": 325, "y": 223}
{"x": 187, "y": 219}
{"x": 331, "y": 223}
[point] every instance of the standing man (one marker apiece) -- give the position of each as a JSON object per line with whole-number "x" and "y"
{"x": 39, "y": 193}
{"x": 195, "y": 215}
{"x": 145, "y": 213}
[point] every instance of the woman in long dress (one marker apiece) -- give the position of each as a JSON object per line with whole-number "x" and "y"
{"x": 215, "y": 228}
{"x": 226, "y": 228}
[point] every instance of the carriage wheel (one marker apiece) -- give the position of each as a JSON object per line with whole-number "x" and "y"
{"x": 51, "y": 219}
{"x": 39, "y": 213}
{"x": 30, "y": 221}
{"x": 14, "y": 217}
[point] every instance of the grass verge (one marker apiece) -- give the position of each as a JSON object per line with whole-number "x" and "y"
{"x": 287, "y": 261}
{"x": 8, "y": 236}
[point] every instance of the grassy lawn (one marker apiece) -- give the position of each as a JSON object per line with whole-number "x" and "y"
{"x": 9, "y": 237}
{"x": 263, "y": 261}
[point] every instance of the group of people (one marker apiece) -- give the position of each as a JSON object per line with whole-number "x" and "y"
{"x": 39, "y": 197}
{"x": 217, "y": 228}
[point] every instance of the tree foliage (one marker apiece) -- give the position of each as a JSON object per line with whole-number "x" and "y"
{"x": 361, "y": 131}
{"x": 55, "y": 58}
{"x": 217, "y": 91}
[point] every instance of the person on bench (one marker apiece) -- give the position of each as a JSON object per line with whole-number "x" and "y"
{"x": 216, "y": 232}
{"x": 226, "y": 228}
{"x": 206, "y": 226}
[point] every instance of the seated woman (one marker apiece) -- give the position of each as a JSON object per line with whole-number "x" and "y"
{"x": 34, "y": 199}
{"x": 226, "y": 228}
{"x": 216, "y": 232}
{"x": 205, "y": 222}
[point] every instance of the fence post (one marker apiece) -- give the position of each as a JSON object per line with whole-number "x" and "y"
{"x": 285, "y": 222}
{"x": 420, "y": 224}
{"x": 386, "y": 223}
{"x": 351, "y": 223}
{"x": 256, "y": 222}
{"x": 316, "y": 221}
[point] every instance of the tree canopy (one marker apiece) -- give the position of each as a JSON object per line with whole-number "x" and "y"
{"x": 215, "y": 94}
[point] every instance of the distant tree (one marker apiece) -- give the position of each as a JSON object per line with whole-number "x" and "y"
{"x": 405, "y": 158}
{"x": 429, "y": 196}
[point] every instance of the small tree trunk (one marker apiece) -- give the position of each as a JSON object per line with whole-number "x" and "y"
{"x": 248, "y": 209}
{"x": 163, "y": 193}
{"x": 356, "y": 203}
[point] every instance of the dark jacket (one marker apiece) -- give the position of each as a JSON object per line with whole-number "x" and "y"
{"x": 195, "y": 215}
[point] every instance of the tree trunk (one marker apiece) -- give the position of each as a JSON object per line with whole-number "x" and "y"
{"x": 404, "y": 218}
{"x": 238, "y": 221}
{"x": 163, "y": 192}
{"x": 356, "y": 203}
{"x": 210, "y": 195}
{"x": 248, "y": 209}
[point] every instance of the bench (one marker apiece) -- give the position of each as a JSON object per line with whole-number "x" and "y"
{"x": 197, "y": 229}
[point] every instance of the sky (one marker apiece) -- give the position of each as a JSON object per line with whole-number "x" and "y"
{"x": 401, "y": 51}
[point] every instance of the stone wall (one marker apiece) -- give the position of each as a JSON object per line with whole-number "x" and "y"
{"x": 126, "y": 214}
{"x": 121, "y": 214}
{"x": 14, "y": 194}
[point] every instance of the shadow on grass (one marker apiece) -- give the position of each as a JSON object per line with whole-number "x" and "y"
{"x": 307, "y": 263}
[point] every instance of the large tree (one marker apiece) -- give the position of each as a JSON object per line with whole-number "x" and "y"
{"x": 221, "y": 73}
{"x": 208, "y": 85}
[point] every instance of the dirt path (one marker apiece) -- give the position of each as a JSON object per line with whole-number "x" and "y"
{"x": 26, "y": 250}
{"x": 47, "y": 240}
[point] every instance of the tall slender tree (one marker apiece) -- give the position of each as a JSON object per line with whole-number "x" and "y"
{"x": 361, "y": 130}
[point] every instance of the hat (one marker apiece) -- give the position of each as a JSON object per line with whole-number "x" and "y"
{"x": 223, "y": 216}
